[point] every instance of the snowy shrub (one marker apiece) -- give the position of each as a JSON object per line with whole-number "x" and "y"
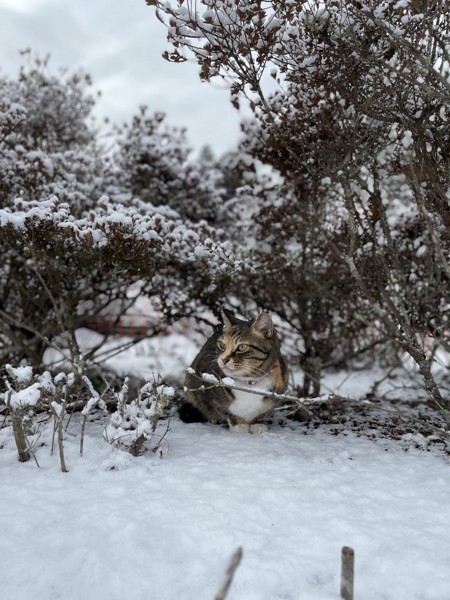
{"x": 70, "y": 253}
{"x": 358, "y": 126}
{"x": 46, "y": 143}
{"x": 57, "y": 106}
{"x": 132, "y": 426}
{"x": 27, "y": 392}
{"x": 152, "y": 163}
{"x": 20, "y": 397}
{"x": 56, "y": 266}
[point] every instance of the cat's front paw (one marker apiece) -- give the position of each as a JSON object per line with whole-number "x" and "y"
{"x": 240, "y": 428}
{"x": 259, "y": 428}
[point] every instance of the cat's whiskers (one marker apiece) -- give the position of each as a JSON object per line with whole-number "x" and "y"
{"x": 256, "y": 372}
{"x": 242, "y": 374}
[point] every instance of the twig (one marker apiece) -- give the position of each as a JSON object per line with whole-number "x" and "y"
{"x": 52, "y": 449}
{"x": 232, "y": 567}
{"x": 94, "y": 401}
{"x": 32, "y": 445}
{"x": 158, "y": 445}
{"x": 230, "y": 384}
{"x": 58, "y": 416}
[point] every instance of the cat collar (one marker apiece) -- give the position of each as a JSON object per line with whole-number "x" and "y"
{"x": 254, "y": 381}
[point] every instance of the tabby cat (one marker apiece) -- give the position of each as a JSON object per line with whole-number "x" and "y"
{"x": 249, "y": 353}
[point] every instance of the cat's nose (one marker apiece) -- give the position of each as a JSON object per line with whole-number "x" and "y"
{"x": 226, "y": 359}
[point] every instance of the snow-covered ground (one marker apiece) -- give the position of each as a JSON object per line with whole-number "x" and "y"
{"x": 165, "y": 527}
{"x": 119, "y": 527}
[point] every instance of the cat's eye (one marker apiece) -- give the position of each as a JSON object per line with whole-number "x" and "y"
{"x": 221, "y": 345}
{"x": 242, "y": 347}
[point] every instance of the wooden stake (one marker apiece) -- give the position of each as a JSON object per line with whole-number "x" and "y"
{"x": 234, "y": 563}
{"x": 347, "y": 573}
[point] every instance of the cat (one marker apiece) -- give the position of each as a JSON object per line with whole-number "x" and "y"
{"x": 249, "y": 353}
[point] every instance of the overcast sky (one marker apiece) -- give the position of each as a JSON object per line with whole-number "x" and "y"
{"x": 119, "y": 43}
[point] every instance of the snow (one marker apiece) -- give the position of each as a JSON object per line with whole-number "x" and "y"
{"x": 167, "y": 391}
{"x": 29, "y": 396}
{"x": 57, "y": 408}
{"x": 21, "y": 374}
{"x": 165, "y": 525}
{"x": 210, "y": 378}
{"x": 116, "y": 526}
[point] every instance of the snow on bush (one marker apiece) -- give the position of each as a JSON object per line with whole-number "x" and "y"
{"x": 133, "y": 424}
{"x": 25, "y": 394}
{"x": 65, "y": 264}
{"x": 79, "y": 226}
{"x": 25, "y": 390}
{"x": 152, "y": 163}
{"x": 357, "y": 128}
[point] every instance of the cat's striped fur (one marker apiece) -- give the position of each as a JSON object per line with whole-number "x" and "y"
{"x": 249, "y": 353}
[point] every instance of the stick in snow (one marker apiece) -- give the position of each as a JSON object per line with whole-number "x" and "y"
{"x": 234, "y": 563}
{"x": 347, "y": 573}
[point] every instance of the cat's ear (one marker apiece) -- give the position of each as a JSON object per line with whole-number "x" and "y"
{"x": 228, "y": 319}
{"x": 263, "y": 325}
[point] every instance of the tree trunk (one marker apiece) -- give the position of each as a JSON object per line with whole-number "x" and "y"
{"x": 430, "y": 383}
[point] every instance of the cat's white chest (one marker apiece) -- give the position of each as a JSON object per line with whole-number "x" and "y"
{"x": 249, "y": 406}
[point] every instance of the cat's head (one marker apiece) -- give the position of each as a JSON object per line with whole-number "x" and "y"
{"x": 247, "y": 349}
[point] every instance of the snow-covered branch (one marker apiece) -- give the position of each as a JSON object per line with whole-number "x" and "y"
{"x": 227, "y": 382}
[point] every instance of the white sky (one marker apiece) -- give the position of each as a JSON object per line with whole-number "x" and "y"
{"x": 119, "y": 43}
